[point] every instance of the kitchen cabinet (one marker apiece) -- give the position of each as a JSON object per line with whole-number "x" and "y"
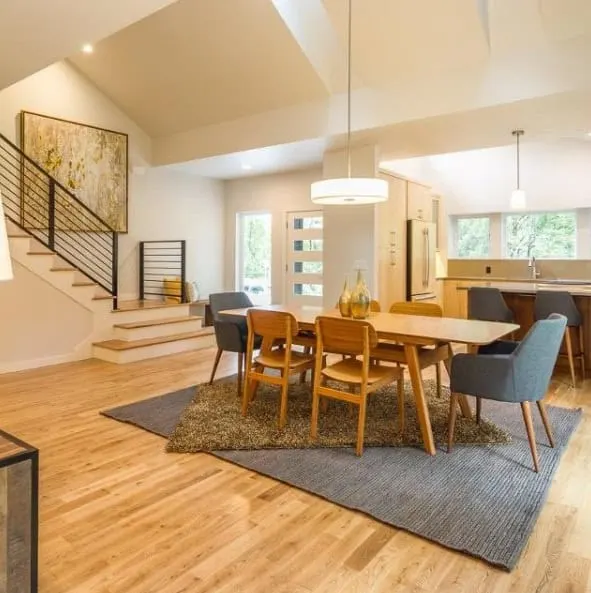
{"x": 420, "y": 202}
{"x": 391, "y": 243}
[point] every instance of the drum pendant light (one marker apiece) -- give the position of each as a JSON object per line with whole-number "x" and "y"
{"x": 349, "y": 190}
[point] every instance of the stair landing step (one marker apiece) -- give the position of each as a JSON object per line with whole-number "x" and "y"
{"x": 139, "y": 305}
{"x": 121, "y": 345}
{"x": 152, "y": 322}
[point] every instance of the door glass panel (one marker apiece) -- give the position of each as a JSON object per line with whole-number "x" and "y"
{"x": 307, "y": 289}
{"x": 307, "y": 222}
{"x": 307, "y": 267}
{"x": 254, "y": 270}
{"x": 307, "y": 245}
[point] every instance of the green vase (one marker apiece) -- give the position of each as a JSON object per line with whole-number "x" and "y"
{"x": 345, "y": 300}
{"x": 360, "y": 298}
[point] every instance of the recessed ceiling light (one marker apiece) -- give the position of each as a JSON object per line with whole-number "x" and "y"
{"x": 87, "y": 48}
{"x": 246, "y": 167}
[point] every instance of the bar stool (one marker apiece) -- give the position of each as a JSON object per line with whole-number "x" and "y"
{"x": 560, "y": 301}
{"x": 487, "y": 304}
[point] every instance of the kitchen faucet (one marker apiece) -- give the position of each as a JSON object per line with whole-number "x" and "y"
{"x": 535, "y": 273}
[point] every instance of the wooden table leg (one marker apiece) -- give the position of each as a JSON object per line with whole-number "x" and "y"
{"x": 462, "y": 399}
{"x": 414, "y": 370}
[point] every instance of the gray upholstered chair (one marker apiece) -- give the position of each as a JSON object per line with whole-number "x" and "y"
{"x": 560, "y": 301}
{"x": 487, "y": 304}
{"x": 231, "y": 332}
{"x": 521, "y": 376}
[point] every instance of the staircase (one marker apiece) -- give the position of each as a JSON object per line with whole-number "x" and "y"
{"x": 60, "y": 240}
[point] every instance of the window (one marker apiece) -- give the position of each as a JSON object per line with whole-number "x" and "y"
{"x": 254, "y": 256}
{"x": 543, "y": 235}
{"x": 308, "y": 245}
{"x": 472, "y": 237}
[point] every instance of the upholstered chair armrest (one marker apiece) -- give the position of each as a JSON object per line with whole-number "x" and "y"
{"x": 230, "y": 335}
{"x": 490, "y": 376}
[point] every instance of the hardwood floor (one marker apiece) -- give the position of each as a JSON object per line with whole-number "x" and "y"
{"x": 118, "y": 514}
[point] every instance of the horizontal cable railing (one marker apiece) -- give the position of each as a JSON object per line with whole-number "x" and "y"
{"x": 39, "y": 204}
{"x": 163, "y": 270}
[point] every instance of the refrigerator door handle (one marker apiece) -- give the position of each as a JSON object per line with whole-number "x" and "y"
{"x": 428, "y": 257}
{"x": 425, "y": 257}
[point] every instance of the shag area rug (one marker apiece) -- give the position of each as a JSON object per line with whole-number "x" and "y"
{"x": 212, "y": 421}
{"x": 480, "y": 500}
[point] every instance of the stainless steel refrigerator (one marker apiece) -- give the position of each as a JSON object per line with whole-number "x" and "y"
{"x": 420, "y": 260}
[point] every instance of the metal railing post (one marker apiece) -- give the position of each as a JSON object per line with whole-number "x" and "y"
{"x": 141, "y": 291}
{"x": 51, "y": 216}
{"x": 183, "y": 271}
{"x": 115, "y": 269}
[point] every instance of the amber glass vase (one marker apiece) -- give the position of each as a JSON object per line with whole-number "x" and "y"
{"x": 345, "y": 300}
{"x": 360, "y": 298}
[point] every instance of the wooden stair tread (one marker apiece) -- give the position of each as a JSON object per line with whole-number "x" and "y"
{"x": 121, "y": 345}
{"x": 103, "y": 297}
{"x": 84, "y": 283}
{"x": 40, "y": 253}
{"x": 124, "y": 306}
{"x": 62, "y": 269}
{"x": 15, "y": 235}
{"x": 153, "y": 322}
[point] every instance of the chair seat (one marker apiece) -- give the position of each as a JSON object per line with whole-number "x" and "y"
{"x": 428, "y": 355}
{"x": 275, "y": 359}
{"x": 350, "y": 370}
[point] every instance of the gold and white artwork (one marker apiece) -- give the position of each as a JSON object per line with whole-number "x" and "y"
{"x": 89, "y": 162}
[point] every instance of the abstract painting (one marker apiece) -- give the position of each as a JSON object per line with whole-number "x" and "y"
{"x": 88, "y": 161}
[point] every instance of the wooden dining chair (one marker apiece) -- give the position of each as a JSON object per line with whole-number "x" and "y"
{"x": 278, "y": 330}
{"x": 356, "y": 338}
{"x": 425, "y": 310}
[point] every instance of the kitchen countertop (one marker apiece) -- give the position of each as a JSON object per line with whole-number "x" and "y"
{"x": 533, "y": 287}
{"x": 523, "y": 280}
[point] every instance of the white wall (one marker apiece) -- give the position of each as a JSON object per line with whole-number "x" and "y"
{"x": 163, "y": 204}
{"x": 40, "y": 325}
{"x": 277, "y": 194}
{"x": 174, "y": 205}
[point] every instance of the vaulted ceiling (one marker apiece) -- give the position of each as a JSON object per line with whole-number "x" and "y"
{"x": 37, "y": 33}
{"x": 218, "y": 82}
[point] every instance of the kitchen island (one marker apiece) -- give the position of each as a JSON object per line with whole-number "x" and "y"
{"x": 520, "y": 297}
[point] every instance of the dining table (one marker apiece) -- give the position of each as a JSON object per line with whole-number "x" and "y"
{"x": 412, "y": 332}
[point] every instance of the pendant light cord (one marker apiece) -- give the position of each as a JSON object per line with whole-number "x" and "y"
{"x": 349, "y": 95}
{"x": 518, "y": 134}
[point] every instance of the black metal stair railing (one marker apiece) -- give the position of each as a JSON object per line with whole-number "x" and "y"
{"x": 40, "y": 205}
{"x": 163, "y": 270}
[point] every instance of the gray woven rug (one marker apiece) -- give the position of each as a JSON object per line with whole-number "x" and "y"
{"x": 481, "y": 500}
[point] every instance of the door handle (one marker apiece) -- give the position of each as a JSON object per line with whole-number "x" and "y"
{"x": 428, "y": 257}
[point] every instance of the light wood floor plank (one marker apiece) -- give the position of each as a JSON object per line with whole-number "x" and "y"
{"x": 118, "y": 514}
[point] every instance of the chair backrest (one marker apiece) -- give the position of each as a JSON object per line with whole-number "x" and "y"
{"x": 272, "y": 325}
{"x": 556, "y": 301}
{"x": 374, "y": 306}
{"x": 221, "y": 301}
{"x": 487, "y": 304}
{"x": 417, "y": 308}
{"x": 535, "y": 357}
{"x": 345, "y": 336}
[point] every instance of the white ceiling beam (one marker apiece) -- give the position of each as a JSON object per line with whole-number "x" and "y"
{"x": 483, "y": 13}
{"x": 311, "y": 27}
